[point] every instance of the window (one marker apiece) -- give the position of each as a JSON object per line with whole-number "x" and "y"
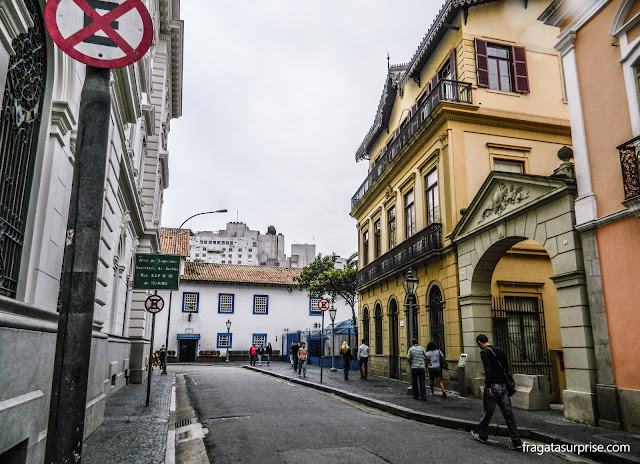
{"x": 226, "y": 303}
{"x": 259, "y": 340}
{"x": 409, "y": 215}
{"x": 190, "y": 302}
{"x": 500, "y": 67}
{"x": 508, "y": 166}
{"x": 376, "y": 239}
{"x": 365, "y": 325}
{"x": 433, "y": 204}
{"x": 313, "y": 307}
{"x": 239, "y": 249}
{"x": 391, "y": 226}
{"x": 224, "y": 340}
{"x": 365, "y": 247}
{"x": 250, "y": 249}
{"x": 378, "y": 328}
{"x": 260, "y": 304}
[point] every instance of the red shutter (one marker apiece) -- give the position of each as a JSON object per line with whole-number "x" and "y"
{"x": 519, "y": 65}
{"x": 482, "y": 64}
{"x": 452, "y": 64}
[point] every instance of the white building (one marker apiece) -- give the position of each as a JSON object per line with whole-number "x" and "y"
{"x": 262, "y": 303}
{"x": 237, "y": 244}
{"x": 38, "y": 122}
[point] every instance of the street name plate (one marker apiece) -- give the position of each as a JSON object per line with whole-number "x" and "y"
{"x": 156, "y": 272}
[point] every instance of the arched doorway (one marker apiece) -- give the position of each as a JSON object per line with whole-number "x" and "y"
{"x": 365, "y": 325}
{"x": 436, "y": 317}
{"x": 394, "y": 341}
{"x": 378, "y": 329}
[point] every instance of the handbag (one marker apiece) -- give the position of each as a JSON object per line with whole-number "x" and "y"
{"x": 511, "y": 383}
{"x": 443, "y": 361}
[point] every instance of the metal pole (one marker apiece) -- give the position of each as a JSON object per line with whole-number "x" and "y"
{"x": 228, "y": 341}
{"x": 78, "y": 283}
{"x": 333, "y": 344}
{"x": 322, "y": 347}
{"x": 166, "y": 343}
{"x": 153, "y": 330}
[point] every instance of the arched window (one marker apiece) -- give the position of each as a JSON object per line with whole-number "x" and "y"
{"x": 412, "y": 309}
{"x": 20, "y": 117}
{"x": 378, "y": 328}
{"x": 365, "y": 325}
{"x": 436, "y": 317}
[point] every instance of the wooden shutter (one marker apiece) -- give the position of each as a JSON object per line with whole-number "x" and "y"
{"x": 452, "y": 64}
{"x": 482, "y": 63}
{"x": 519, "y": 66}
{"x": 434, "y": 81}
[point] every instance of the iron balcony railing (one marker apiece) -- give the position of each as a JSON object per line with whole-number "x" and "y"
{"x": 445, "y": 90}
{"x": 408, "y": 252}
{"x": 630, "y": 164}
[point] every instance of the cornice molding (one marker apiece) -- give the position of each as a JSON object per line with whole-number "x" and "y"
{"x": 14, "y": 20}
{"x": 62, "y": 120}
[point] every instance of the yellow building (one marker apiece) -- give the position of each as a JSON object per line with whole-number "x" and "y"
{"x": 464, "y": 189}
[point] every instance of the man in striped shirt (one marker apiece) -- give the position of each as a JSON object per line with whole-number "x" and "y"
{"x": 417, "y": 356}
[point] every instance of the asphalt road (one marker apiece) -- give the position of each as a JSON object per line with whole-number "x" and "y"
{"x": 255, "y": 418}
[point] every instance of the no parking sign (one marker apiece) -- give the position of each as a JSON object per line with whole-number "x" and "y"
{"x": 100, "y": 33}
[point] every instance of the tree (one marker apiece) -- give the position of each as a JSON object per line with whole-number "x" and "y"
{"x": 321, "y": 278}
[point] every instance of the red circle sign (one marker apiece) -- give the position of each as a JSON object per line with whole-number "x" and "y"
{"x": 154, "y": 304}
{"x": 100, "y": 33}
{"x": 323, "y": 304}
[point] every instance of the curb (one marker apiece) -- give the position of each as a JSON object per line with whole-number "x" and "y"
{"x": 170, "y": 450}
{"x": 451, "y": 422}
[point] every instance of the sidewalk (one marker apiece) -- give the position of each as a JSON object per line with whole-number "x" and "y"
{"x": 457, "y": 412}
{"x": 132, "y": 432}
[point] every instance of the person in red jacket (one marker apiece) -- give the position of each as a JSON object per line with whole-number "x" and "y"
{"x": 252, "y": 355}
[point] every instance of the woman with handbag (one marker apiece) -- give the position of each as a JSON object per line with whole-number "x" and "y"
{"x": 437, "y": 362}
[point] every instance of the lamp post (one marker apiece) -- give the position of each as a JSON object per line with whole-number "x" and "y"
{"x": 410, "y": 284}
{"x": 228, "y": 337}
{"x": 332, "y": 315}
{"x": 175, "y": 246}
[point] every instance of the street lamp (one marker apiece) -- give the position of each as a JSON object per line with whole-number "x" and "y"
{"x": 228, "y": 337}
{"x": 332, "y": 315}
{"x": 410, "y": 284}
{"x": 175, "y": 246}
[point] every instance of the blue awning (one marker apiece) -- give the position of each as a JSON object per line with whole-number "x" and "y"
{"x": 189, "y": 336}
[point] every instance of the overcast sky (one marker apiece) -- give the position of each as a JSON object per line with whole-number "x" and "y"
{"x": 278, "y": 95}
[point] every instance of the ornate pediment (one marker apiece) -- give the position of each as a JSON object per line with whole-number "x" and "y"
{"x": 503, "y": 195}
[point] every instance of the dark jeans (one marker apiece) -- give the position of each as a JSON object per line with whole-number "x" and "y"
{"x": 418, "y": 374}
{"x": 253, "y": 360}
{"x": 295, "y": 362}
{"x": 345, "y": 367}
{"x": 498, "y": 398}
{"x": 364, "y": 362}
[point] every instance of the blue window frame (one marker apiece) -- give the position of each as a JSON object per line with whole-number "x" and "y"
{"x": 190, "y": 302}
{"x": 224, "y": 340}
{"x": 313, "y": 307}
{"x": 260, "y": 304}
{"x": 226, "y": 302}
{"x": 259, "y": 339}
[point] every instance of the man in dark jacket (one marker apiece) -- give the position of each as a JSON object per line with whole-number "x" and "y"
{"x": 495, "y": 364}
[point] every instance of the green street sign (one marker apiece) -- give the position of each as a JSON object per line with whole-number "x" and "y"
{"x": 156, "y": 272}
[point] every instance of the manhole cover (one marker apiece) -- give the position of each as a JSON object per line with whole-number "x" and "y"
{"x": 184, "y": 435}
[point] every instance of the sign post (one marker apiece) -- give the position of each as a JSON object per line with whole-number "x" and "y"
{"x": 103, "y": 35}
{"x": 154, "y": 305}
{"x": 323, "y": 305}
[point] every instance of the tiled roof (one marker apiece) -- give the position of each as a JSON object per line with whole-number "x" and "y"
{"x": 168, "y": 241}
{"x": 235, "y": 273}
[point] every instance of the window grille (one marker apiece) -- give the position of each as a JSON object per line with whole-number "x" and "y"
{"x": 226, "y": 303}
{"x": 260, "y": 339}
{"x": 190, "y": 303}
{"x": 436, "y": 317}
{"x": 260, "y": 304}
{"x": 313, "y": 306}
{"x": 20, "y": 117}
{"x": 224, "y": 340}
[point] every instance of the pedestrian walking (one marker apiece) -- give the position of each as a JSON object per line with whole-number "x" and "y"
{"x": 252, "y": 355}
{"x": 363, "y": 359}
{"x": 302, "y": 360}
{"x": 260, "y": 352}
{"x": 294, "y": 351}
{"x": 436, "y": 364}
{"x": 346, "y": 358}
{"x": 268, "y": 351}
{"x": 291, "y": 354}
{"x": 163, "y": 357}
{"x": 496, "y": 392}
{"x": 417, "y": 357}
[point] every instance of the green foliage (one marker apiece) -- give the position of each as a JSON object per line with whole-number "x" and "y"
{"x": 321, "y": 278}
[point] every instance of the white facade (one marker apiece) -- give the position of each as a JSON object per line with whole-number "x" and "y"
{"x": 302, "y": 255}
{"x": 288, "y": 310}
{"x": 145, "y": 97}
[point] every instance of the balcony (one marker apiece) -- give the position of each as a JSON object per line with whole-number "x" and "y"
{"x": 413, "y": 250}
{"x": 630, "y": 168}
{"x": 445, "y": 90}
